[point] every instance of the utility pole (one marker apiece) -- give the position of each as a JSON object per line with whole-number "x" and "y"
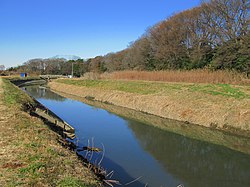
{"x": 72, "y": 72}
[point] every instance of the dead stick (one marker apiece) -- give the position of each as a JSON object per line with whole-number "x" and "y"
{"x": 133, "y": 181}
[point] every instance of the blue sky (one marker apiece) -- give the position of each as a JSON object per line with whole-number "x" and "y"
{"x": 86, "y": 28}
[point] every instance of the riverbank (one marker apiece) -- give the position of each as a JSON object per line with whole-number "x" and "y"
{"x": 229, "y": 140}
{"x": 221, "y": 106}
{"x": 30, "y": 154}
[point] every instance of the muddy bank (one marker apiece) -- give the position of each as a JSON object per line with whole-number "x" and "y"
{"x": 228, "y": 114}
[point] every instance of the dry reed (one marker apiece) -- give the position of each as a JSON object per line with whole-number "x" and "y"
{"x": 193, "y": 76}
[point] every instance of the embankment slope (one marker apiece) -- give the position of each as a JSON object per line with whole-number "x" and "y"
{"x": 30, "y": 154}
{"x": 215, "y": 106}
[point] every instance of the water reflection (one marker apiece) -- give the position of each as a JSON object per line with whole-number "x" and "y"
{"x": 238, "y": 143}
{"x": 195, "y": 162}
{"x": 161, "y": 157}
{"x": 42, "y": 92}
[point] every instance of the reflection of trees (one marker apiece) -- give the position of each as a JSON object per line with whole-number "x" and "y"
{"x": 195, "y": 162}
{"x": 40, "y": 92}
{"x": 231, "y": 141}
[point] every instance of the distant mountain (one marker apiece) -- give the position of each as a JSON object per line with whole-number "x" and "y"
{"x": 67, "y": 57}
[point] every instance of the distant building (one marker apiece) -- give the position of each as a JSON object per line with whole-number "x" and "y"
{"x": 2, "y": 67}
{"x": 23, "y": 74}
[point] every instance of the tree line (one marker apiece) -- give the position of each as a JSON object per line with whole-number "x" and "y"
{"x": 53, "y": 66}
{"x": 214, "y": 35}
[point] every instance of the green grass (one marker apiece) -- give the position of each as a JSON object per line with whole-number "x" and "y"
{"x": 14, "y": 96}
{"x": 33, "y": 158}
{"x": 144, "y": 88}
{"x": 70, "y": 182}
{"x": 32, "y": 168}
{"x": 140, "y": 87}
{"x": 220, "y": 89}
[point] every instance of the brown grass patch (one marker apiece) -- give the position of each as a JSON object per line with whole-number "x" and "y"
{"x": 193, "y": 76}
{"x": 13, "y": 165}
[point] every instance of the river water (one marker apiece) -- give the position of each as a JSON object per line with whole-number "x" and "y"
{"x": 135, "y": 150}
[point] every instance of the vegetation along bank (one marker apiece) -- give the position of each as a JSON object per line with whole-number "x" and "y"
{"x": 221, "y": 106}
{"x": 30, "y": 154}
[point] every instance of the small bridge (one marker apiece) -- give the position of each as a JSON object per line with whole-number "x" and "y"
{"x": 43, "y": 80}
{"x": 47, "y": 77}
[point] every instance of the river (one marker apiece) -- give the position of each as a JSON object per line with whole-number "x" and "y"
{"x": 136, "y": 150}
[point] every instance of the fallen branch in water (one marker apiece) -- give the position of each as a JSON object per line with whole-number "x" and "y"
{"x": 92, "y": 149}
{"x": 103, "y": 152}
{"x": 111, "y": 182}
{"x": 110, "y": 174}
{"x": 133, "y": 181}
{"x": 97, "y": 170}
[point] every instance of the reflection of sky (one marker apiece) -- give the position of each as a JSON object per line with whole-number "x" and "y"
{"x": 160, "y": 157}
{"x": 120, "y": 144}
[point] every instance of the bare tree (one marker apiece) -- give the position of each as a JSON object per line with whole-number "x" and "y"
{"x": 2, "y": 67}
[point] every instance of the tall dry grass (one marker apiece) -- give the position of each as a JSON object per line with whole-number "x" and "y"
{"x": 193, "y": 76}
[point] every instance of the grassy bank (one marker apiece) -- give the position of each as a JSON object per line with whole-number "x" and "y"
{"x": 30, "y": 154}
{"x": 161, "y": 88}
{"x": 221, "y": 106}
